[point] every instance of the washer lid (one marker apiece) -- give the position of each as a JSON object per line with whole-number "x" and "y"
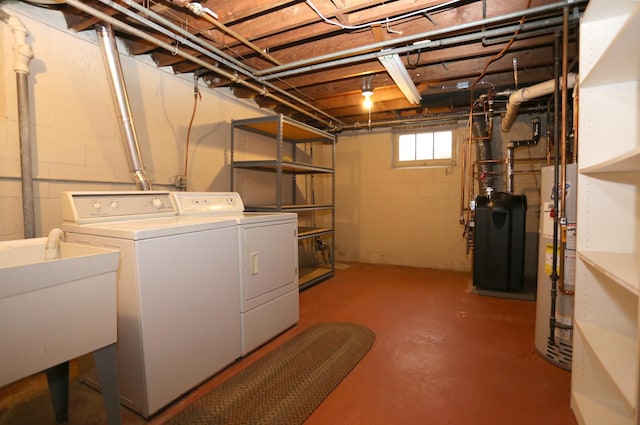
{"x": 151, "y": 228}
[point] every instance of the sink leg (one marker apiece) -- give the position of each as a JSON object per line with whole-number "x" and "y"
{"x": 58, "y": 379}
{"x": 107, "y": 367}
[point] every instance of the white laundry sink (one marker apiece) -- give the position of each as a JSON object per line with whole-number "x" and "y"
{"x": 53, "y": 310}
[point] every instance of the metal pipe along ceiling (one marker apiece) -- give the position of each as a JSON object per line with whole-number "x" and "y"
{"x": 118, "y": 90}
{"x": 425, "y": 40}
{"x": 261, "y": 77}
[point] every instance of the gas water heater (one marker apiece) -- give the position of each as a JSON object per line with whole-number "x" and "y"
{"x": 556, "y": 349}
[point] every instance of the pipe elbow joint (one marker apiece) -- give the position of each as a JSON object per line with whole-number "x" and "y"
{"x": 52, "y": 247}
{"x": 23, "y": 56}
{"x": 195, "y": 8}
{"x": 22, "y": 50}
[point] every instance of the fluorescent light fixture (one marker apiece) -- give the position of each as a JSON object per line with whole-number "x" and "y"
{"x": 394, "y": 66}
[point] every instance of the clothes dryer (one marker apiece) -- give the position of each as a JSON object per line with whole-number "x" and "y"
{"x": 178, "y": 290}
{"x": 268, "y": 261}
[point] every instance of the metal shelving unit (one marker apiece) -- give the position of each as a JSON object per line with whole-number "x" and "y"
{"x": 279, "y": 164}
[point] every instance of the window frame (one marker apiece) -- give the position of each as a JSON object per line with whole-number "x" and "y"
{"x": 425, "y": 163}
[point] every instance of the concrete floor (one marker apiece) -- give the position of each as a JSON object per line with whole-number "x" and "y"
{"x": 442, "y": 355}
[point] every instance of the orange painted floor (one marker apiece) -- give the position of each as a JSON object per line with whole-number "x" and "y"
{"x": 442, "y": 356}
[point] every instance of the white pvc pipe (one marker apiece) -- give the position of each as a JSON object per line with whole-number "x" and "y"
{"x": 529, "y": 93}
{"x": 52, "y": 246}
{"x": 23, "y": 55}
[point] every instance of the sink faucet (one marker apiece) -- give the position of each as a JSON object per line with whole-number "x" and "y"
{"x": 52, "y": 249}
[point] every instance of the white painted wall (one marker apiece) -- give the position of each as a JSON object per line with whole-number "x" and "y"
{"x": 395, "y": 216}
{"x": 411, "y": 216}
{"x": 76, "y": 141}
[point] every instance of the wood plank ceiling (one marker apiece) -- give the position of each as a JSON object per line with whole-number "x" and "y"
{"x": 311, "y": 59}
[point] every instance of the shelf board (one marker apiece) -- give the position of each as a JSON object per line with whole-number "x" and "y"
{"x": 616, "y": 348}
{"x": 628, "y": 162}
{"x": 591, "y": 411}
{"x": 287, "y": 167}
{"x": 620, "y": 61}
{"x": 621, "y": 268}
{"x": 305, "y": 232}
{"x": 311, "y": 275}
{"x": 292, "y": 131}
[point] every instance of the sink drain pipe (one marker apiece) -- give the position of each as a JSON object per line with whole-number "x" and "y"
{"x": 23, "y": 55}
{"x": 111, "y": 59}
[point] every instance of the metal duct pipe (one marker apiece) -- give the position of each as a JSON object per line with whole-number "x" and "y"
{"x": 482, "y": 131}
{"x": 111, "y": 59}
{"x": 529, "y": 93}
{"x": 23, "y": 55}
{"x": 510, "y": 154}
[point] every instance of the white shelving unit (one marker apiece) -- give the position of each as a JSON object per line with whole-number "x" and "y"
{"x": 606, "y": 352}
{"x": 279, "y": 164}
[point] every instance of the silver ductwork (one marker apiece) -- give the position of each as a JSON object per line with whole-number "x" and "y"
{"x": 529, "y": 93}
{"x": 482, "y": 131}
{"x": 111, "y": 60}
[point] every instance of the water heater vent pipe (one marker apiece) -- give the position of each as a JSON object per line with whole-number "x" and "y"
{"x": 121, "y": 99}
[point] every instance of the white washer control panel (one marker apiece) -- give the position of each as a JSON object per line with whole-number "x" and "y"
{"x": 91, "y": 207}
{"x": 202, "y": 203}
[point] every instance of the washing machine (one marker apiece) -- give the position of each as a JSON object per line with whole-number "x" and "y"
{"x": 178, "y": 290}
{"x": 268, "y": 261}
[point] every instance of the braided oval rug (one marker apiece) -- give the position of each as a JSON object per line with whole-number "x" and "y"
{"x": 287, "y": 384}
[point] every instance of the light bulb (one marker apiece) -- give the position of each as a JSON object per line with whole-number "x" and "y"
{"x": 367, "y": 103}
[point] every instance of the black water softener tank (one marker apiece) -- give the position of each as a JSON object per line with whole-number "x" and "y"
{"x": 499, "y": 234}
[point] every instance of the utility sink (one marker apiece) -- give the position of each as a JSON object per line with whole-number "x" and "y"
{"x": 53, "y": 310}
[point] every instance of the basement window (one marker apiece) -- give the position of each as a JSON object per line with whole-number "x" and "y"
{"x": 424, "y": 147}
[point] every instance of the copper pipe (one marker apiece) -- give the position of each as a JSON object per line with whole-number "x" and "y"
{"x": 502, "y": 161}
{"x": 198, "y": 10}
{"x": 462, "y": 180}
{"x": 576, "y": 104}
{"x": 563, "y": 156}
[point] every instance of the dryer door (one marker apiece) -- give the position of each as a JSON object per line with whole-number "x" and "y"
{"x": 270, "y": 261}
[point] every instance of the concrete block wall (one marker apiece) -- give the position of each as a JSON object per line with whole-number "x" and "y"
{"x": 76, "y": 142}
{"x": 395, "y": 216}
{"x": 411, "y": 216}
